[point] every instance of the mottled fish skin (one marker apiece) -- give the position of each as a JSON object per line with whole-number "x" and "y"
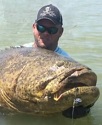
{"x": 38, "y": 81}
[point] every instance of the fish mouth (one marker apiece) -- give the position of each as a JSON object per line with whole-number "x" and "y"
{"x": 59, "y": 94}
{"x": 81, "y": 79}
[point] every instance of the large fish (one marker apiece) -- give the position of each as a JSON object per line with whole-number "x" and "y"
{"x": 40, "y": 82}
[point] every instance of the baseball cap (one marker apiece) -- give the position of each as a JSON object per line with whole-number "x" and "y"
{"x": 51, "y": 13}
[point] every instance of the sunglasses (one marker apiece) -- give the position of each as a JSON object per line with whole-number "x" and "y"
{"x": 50, "y": 30}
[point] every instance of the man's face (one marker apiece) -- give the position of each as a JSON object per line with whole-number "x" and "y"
{"x": 45, "y": 39}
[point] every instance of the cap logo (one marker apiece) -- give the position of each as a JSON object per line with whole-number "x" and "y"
{"x": 48, "y": 11}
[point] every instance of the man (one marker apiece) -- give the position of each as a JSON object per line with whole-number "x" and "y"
{"x": 47, "y": 29}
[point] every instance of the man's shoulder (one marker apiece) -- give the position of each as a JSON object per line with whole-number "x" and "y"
{"x": 61, "y": 52}
{"x": 28, "y": 44}
{"x": 57, "y": 50}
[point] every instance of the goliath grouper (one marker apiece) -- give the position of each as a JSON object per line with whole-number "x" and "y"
{"x": 41, "y": 82}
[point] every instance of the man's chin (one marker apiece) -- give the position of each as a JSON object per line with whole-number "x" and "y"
{"x": 42, "y": 46}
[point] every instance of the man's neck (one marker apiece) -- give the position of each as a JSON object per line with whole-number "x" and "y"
{"x": 51, "y": 48}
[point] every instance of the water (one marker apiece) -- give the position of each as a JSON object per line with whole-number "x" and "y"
{"x": 81, "y": 39}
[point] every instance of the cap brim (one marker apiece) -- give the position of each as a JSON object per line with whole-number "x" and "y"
{"x": 46, "y": 18}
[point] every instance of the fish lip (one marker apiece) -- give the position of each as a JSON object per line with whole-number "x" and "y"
{"x": 67, "y": 88}
{"x": 75, "y": 94}
{"x": 85, "y": 78}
